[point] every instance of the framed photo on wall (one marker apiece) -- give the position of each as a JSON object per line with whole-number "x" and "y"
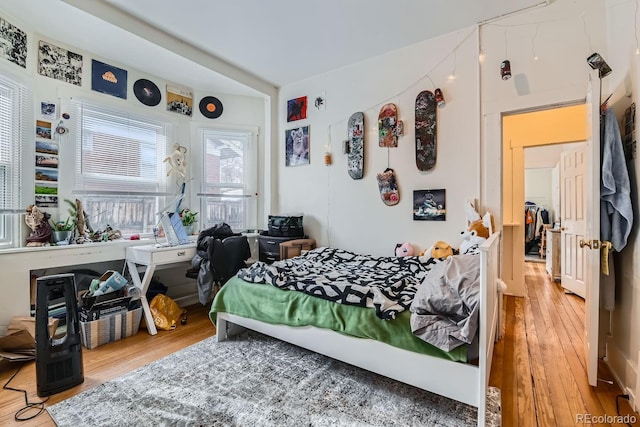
{"x": 297, "y": 146}
{"x": 297, "y": 109}
{"x": 429, "y": 205}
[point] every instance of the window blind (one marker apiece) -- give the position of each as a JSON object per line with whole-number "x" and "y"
{"x": 13, "y": 100}
{"x": 119, "y": 152}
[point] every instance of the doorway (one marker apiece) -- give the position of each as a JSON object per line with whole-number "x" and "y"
{"x": 528, "y": 130}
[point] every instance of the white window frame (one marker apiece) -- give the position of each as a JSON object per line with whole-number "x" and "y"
{"x": 247, "y": 190}
{"x": 149, "y": 190}
{"x": 13, "y": 111}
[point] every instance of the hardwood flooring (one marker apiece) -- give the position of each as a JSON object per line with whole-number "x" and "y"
{"x": 539, "y": 365}
{"x": 103, "y": 363}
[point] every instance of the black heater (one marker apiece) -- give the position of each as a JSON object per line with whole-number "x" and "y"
{"x": 58, "y": 359}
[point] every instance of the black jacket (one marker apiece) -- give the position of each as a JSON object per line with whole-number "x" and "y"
{"x": 220, "y": 253}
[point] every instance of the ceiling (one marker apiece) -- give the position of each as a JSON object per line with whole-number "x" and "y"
{"x": 273, "y": 43}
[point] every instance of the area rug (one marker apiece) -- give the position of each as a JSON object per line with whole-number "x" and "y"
{"x": 255, "y": 380}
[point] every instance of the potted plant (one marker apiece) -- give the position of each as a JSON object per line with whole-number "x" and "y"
{"x": 189, "y": 220}
{"x": 62, "y": 231}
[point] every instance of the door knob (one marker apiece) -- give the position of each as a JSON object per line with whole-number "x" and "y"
{"x": 592, "y": 244}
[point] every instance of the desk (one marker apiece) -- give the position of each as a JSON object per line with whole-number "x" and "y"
{"x": 151, "y": 257}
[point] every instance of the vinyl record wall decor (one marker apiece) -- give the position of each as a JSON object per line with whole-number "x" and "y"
{"x": 147, "y": 92}
{"x": 210, "y": 107}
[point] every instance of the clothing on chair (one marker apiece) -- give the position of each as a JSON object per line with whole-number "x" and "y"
{"x": 218, "y": 259}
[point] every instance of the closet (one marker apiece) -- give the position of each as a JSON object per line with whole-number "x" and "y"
{"x": 536, "y": 222}
{"x": 541, "y": 185}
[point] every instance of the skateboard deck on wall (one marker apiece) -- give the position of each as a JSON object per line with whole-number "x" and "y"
{"x": 389, "y": 127}
{"x": 355, "y": 160}
{"x": 426, "y": 130}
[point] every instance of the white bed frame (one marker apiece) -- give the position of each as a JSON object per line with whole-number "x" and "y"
{"x": 455, "y": 380}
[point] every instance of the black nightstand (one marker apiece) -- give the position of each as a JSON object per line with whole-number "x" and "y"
{"x": 269, "y": 247}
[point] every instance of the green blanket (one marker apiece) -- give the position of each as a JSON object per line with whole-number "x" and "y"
{"x": 276, "y": 306}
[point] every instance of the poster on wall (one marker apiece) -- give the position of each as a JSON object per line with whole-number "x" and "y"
{"x": 46, "y": 177}
{"x": 320, "y": 101}
{"x": 45, "y": 201}
{"x": 13, "y": 43}
{"x": 108, "y": 79}
{"x": 46, "y": 161}
{"x": 297, "y": 146}
{"x": 48, "y": 110}
{"x": 47, "y": 147}
{"x": 43, "y": 129}
{"x": 429, "y": 205}
{"x": 60, "y": 64}
{"x": 297, "y": 109}
{"x": 179, "y": 100}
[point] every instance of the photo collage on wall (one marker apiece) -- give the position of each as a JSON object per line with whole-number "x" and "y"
{"x": 46, "y": 159}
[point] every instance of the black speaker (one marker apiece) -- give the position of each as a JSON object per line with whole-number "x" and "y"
{"x": 58, "y": 359}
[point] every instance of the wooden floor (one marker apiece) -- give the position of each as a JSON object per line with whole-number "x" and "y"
{"x": 539, "y": 365}
{"x": 104, "y": 363}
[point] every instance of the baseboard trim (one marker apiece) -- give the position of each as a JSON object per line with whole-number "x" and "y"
{"x": 623, "y": 370}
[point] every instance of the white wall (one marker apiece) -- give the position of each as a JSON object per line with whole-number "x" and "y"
{"x": 538, "y": 188}
{"x": 347, "y": 213}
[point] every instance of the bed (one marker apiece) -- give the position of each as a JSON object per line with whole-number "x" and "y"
{"x": 445, "y": 373}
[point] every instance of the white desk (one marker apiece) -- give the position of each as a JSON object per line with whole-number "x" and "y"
{"x": 152, "y": 257}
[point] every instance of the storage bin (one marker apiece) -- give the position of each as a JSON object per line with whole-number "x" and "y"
{"x": 110, "y": 328}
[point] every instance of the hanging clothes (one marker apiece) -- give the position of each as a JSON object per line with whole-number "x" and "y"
{"x": 616, "y": 213}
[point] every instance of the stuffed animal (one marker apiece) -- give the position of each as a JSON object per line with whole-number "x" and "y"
{"x": 404, "y": 249}
{"x": 441, "y": 249}
{"x": 177, "y": 161}
{"x": 438, "y": 250}
{"x": 479, "y": 229}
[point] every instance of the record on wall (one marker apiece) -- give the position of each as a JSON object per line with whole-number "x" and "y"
{"x": 211, "y": 107}
{"x": 147, "y": 92}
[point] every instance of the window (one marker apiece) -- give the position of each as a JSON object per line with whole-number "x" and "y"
{"x": 229, "y": 179}
{"x": 119, "y": 168}
{"x": 13, "y": 98}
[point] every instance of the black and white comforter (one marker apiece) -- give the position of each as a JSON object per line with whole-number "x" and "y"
{"x": 387, "y": 284}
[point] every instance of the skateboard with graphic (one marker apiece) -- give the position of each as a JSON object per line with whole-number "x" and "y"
{"x": 426, "y": 130}
{"x": 388, "y": 187}
{"x": 355, "y": 159}
{"x": 389, "y": 127}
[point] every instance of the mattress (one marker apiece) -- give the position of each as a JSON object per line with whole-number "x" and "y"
{"x": 272, "y": 305}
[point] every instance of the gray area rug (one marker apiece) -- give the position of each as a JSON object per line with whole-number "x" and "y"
{"x": 254, "y": 380}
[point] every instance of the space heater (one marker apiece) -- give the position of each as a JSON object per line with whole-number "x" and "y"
{"x": 58, "y": 358}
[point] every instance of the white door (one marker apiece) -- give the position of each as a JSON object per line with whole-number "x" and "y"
{"x": 591, "y": 245}
{"x": 573, "y": 172}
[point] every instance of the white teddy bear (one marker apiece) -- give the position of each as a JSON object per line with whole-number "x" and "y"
{"x": 177, "y": 161}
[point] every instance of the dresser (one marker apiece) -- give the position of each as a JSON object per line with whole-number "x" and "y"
{"x": 553, "y": 253}
{"x": 269, "y": 247}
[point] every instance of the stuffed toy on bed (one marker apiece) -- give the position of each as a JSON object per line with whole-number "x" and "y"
{"x": 404, "y": 249}
{"x": 479, "y": 230}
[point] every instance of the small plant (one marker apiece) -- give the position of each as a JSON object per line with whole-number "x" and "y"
{"x": 67, "y": 225}
{"x": 188, "y": 217}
